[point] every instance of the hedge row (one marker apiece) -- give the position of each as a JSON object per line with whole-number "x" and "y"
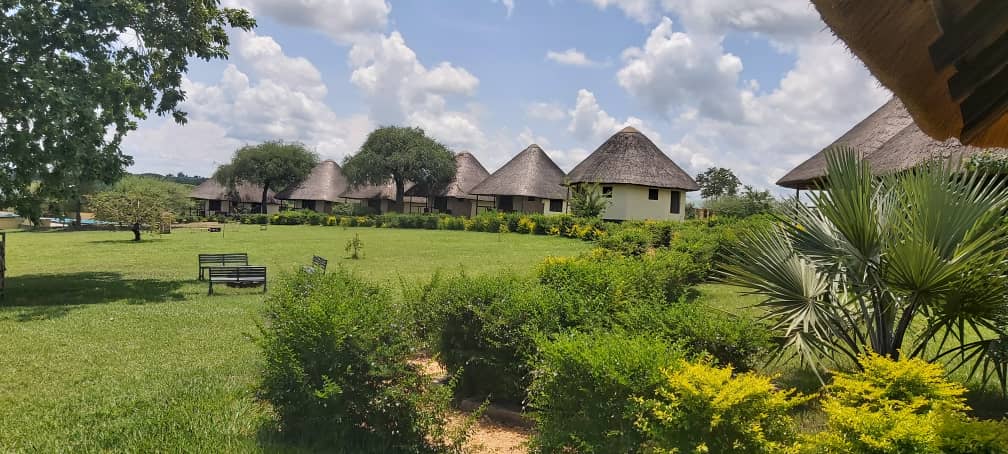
{"x": 486, "y": 328}
{"x": 494, "y": 222}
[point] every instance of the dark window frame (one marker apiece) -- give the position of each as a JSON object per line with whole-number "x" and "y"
{"x": 653, "y": 194}
{"x": 675, "y": 205}
{"x": 556, "y": 205}
{"x": 607, "y": 191}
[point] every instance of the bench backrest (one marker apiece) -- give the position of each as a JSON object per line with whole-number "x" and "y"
{"x": 240, "y": 258}
{"x": 319, "y": 262}
{"x": 238, "y": 272}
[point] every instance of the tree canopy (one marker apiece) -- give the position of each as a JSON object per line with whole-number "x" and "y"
{"x": 401, "y": 154}
{"x": 717, "y": 182}
{"x": 140, "y": 200}
{"x": 75, "y": 76}
{"x": 273, "y": 165}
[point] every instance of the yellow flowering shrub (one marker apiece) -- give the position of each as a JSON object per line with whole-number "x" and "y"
{"x": 700, "y": 408}
{"x": 901, "y": 407}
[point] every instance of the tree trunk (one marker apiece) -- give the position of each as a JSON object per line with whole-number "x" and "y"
{"x": 264, "y": 197}
{"x": 399, "y": 194}
{"x": 136, "y": 231}
{"x": 78, "y": 221}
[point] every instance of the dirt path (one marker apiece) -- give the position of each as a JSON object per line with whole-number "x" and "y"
{"x": 488, "y": 436}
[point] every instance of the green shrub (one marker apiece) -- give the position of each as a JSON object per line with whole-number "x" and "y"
{"x": 968, "y": 436}
{"x": 619, "y": 280}
{"x": 335, "y": 369}
{"x": 628, "y": 241}
{"x": 583, "y": 388}
{"x": 297, "y": 217}
{"x": 699, "y": 408}
{"x": 352, "y": 209}
{"x": 488, "y": 330}
{"x": 730, "y": 340}
{"x": 898, "y": 407}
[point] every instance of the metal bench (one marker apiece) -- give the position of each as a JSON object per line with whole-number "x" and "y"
{"x": 318, "y": 264}
{"x": 207, "y": 261}
{"x": 237, "y": 276}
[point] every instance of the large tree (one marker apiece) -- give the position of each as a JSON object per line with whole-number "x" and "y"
{"x": 273, "y": 165}
{"x": 716, "y": 182}
{"x": 401, "y": 154}
{"x": 76, "y": 75}
{"x": 140, "y": 201}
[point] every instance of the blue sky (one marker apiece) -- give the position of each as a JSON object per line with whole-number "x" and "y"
{"x": 753, "y": 85}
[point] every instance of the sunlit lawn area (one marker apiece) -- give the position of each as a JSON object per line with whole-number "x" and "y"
{"x": 107, "y": 344}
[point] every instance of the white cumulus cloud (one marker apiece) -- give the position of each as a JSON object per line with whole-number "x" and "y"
{"x": 342, "y": 20}
{"x": 571, "y": 57}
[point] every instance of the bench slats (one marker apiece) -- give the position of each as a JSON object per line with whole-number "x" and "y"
{"x": 207, "y": 261}
{"x": 237, "y": 275}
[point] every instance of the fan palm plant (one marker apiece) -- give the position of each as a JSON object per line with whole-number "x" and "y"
{"x": 912, "y": 264}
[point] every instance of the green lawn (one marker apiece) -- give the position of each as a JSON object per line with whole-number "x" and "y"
{"x": 107, "y": 344}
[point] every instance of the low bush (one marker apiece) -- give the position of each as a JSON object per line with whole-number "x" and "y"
{"x": 700, "y": 408}
{"x": 898, "y": 407}
{"x": 335, "y": 369}
{"x": 487, "y": 332}
{"x": 352, "y": 209}
{"x": 628, "y": 241}
{"x": 583, "y": 388}
{"x": 297, "y": 217}
{"x": 661, "y": 276}
{"x": 728, "y": 339}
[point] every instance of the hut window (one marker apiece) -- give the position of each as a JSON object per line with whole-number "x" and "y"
{"x": 214, "y": 205}
{"x": 652, "y": 194}
{"x": 531, "y": 199}
{"x": 607, "y": 191}
{"x": 674, "y": 207}
{"x": 556, "y": 205}
{"x": 505, "y": 203}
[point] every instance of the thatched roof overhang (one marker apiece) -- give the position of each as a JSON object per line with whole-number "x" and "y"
{"x": 947, "y": 60}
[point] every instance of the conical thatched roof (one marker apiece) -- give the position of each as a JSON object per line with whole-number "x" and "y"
{"x": 245, "y": 192}
{"x": 885, "y": 148}
{"x": 325, "y": 182}
{"x": 865, "y": 137}
{"x": 385, "y": 191}
{"x": 468, "y": 173}
{"x": 629, "y": 157}
{"x": 894, "y": 39}
{"x": 911, "y": 147}
{"x": 530, "y": 174}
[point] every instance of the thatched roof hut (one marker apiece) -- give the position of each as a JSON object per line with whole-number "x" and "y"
{"x": 629, "y": 157}
{"x": 911, "y": 147}
{"x": 865, "y": 137}
{"x": 468, "y": 173}
{"x": 385, "y": 191}
{"x": 326, "y": 182}
{"x": 889, "y": 141}
{"x": 529, "y": 174}
{"x": 943, "y": 58}
{"x": 243, "y": 193}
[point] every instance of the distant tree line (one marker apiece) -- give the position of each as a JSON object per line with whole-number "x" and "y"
{"x": 180, "y": 178}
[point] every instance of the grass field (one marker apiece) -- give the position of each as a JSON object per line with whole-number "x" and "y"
{"x": 106, "y": 344}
